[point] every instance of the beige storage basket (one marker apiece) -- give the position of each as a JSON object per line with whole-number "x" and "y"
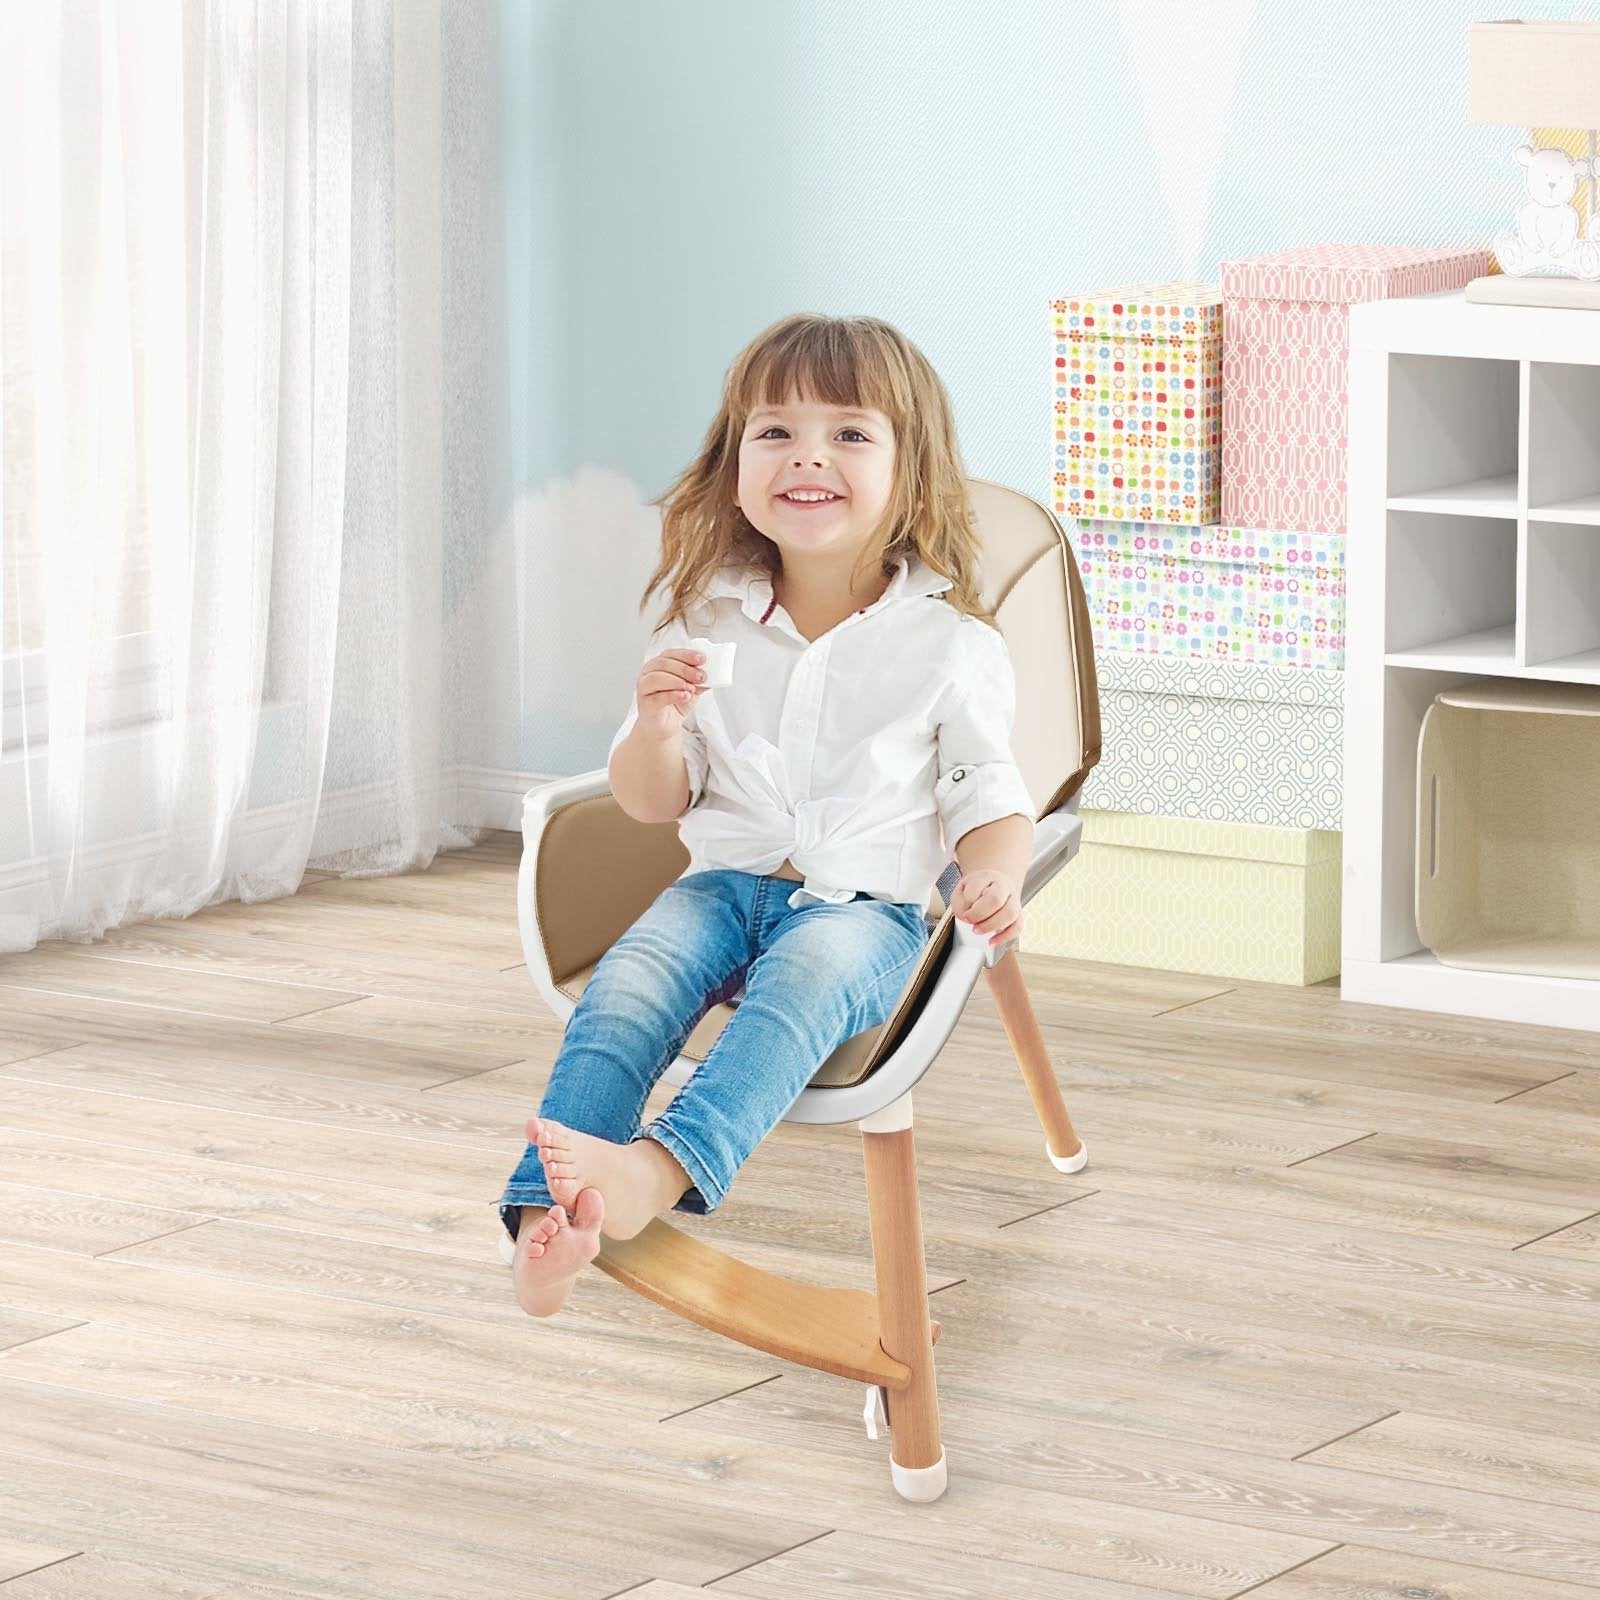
{"x": 1508, "y": 827}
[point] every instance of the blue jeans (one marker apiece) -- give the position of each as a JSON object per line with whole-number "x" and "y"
{"x": 815, "y": 976}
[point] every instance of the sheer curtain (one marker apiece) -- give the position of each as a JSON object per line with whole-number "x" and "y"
{"x": 224, "y": 624}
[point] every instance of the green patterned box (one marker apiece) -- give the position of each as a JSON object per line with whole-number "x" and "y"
{"x": 1219, "y": 741}
{"x": 1233, "y": 900}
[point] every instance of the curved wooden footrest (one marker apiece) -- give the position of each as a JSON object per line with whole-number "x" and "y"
{"x": 832, "y": 1330}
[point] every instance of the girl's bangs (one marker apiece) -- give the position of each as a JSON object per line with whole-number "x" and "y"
{"x": 817, "y": 366}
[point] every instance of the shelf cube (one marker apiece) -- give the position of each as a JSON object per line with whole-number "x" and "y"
{"x": 1137, "y": 379}
{"x": 1273, "y": 597}
{"x": 1285, "y": 369}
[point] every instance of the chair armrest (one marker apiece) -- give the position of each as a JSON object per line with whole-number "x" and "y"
{"x": 588, "y": 872}
{"x": 1056, "y": 837}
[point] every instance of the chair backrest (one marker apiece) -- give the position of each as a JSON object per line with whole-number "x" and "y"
{"x": 1029, "y": 574}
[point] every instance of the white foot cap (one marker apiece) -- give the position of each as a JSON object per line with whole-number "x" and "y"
{"x": 920, "y": 1483}
{"x": 1072, "y": 1163}
{"x": 508, "y": 1247}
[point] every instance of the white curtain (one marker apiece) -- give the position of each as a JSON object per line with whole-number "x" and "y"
{"x": 224, "y": 621}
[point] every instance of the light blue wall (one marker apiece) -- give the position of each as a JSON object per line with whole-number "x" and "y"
{"x": 680, "y": 175}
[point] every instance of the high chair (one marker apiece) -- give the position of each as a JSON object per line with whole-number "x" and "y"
{"x": 589, "y": 870}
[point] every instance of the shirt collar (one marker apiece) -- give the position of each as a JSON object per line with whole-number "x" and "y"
{"x": 752, "y": 587}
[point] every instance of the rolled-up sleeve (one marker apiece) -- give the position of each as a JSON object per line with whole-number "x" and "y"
{"x": 671, "y": 636}
{"x": 978, "y": 781}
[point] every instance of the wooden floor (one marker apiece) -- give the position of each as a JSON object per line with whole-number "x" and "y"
{"x": 1321, "y": 1321}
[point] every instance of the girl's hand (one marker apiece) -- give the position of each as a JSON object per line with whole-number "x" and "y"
{"x": 989, "y": 901}
{"x": 667, "y": 685}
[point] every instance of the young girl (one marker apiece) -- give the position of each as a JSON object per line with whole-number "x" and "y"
{"x": 824, "y": 531}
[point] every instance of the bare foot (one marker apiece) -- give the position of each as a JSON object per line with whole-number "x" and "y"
{"x": 552, "y": 1249}
{"x": 639, "y": 1180}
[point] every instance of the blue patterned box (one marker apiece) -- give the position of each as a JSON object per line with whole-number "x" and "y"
{"x": 1215, "y": 593}
{"x": 1219, "y": 741}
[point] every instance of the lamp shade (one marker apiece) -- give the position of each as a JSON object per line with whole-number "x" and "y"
{"x": 1534, "y": 74}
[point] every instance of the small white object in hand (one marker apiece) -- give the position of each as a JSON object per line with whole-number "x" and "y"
{"x": 718, "y": 664}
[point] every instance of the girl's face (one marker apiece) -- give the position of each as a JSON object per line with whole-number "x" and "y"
{"x": 848, "y": 452}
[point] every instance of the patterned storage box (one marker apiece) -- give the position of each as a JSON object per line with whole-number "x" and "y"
{"x": 1210, "y": 593}
{"x": 1227, "y": 899}
{"x": 1219, "y": 741}
{"x": 1137, "y": 380}
{"x": 1284, "y": 370}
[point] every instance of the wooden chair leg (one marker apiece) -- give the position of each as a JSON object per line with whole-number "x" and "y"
{"x": 1067, "y": 1151}
{"x": 917, "y": 1461}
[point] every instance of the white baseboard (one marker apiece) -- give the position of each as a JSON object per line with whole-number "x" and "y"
{"x": 489, "y": 797}
{"x": 471, "y": 797}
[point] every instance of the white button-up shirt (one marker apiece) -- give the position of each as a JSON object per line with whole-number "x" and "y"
{"x": 863, "y": 755}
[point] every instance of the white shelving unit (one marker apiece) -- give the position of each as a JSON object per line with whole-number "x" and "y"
{"x": 1473, "y": 551}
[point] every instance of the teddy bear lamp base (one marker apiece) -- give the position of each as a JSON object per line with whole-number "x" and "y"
{"x": 1549, "y": 239}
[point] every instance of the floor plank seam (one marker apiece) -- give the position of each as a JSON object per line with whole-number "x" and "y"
{"x": 1286, "y": 1571}
{"x": 633, "y": 1588}
{"x": 1043, "y": 1209}
{"x": 1532, "y": 1086}
{"x": 34, "y": 1338}
{"x": 827, "y": 1533}
{"x": 1185, "y": 1004}
{"x": 1328, "y": 1444}
{"x": 135, "y": 1244}
{"x": 1577, "y": 1222}
{"x": 428, "y": 1088}
{"x": 717, "y": 1398}
{"x": 1317, "y": 1155}
{"x": 315, "y": 1011}
{"x": 55, "y": 1050}
{"x": 33, "y": 1572}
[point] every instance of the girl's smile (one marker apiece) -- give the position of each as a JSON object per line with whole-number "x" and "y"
{"x": 810, "y": 505}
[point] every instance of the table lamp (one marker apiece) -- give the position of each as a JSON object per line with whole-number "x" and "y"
{"x": 1542, "y": 75}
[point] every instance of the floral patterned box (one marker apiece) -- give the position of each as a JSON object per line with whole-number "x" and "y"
{"x": 1285, "y": 370}
{"x": 1137, "y": 387}
{"x": 1219, "y": 741}
{"x": 1221, "y": 594}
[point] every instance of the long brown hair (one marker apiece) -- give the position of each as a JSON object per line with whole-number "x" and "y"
{"x": 838, "y": 361}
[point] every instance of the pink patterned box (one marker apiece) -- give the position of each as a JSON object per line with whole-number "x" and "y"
{"x": 1285, "y": 361}
{"x": 1273, "y": 598}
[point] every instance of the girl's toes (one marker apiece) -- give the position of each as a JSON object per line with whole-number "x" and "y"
{"x": 549, "y": 1225}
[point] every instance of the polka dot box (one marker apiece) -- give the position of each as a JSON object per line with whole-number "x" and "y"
{"x": 1137, "y": 397}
